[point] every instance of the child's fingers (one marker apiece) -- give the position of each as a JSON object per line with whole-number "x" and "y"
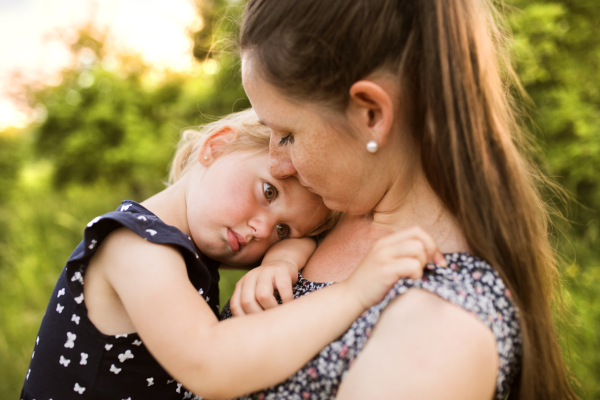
{"x": 264, "y": 292}
{"x": 407, "y": 248}
{"x": 409, "y": 267}
{"x": 248, "y": 294}
{"x": 283, "y": 284}
{"x": 396, "y": 240}
{"x": 235, "y": 304}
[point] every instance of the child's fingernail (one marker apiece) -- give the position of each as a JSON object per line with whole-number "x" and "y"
{"x": 441, "y": 260}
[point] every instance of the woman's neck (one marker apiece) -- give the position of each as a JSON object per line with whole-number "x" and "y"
{"x": 419, "y": 205}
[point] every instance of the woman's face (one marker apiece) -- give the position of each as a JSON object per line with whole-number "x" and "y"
{"x": 307, "y": 143}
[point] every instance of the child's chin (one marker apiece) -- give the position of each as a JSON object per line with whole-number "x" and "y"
{"x": 232, "y": 260}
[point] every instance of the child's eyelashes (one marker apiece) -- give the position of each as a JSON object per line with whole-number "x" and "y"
{"x": 289, "y": 139}
{"x": 270, "y": 191}
{"x": 283, "y": 231}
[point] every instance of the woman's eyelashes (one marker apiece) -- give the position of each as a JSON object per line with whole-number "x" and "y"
{"x": 289, "y": 139}
{"x": 269, "y": 191}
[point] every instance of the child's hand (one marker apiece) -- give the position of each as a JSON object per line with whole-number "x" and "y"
{"x": 255, "y": 292}
{"x": 402, "y": 254}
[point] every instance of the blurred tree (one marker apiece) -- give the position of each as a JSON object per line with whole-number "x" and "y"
{"x": 557, "y": 49}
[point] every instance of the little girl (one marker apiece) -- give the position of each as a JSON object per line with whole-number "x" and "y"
{"x": 150, "y": 298}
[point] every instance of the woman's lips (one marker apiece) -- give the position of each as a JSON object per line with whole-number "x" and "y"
{"x": 236, "y": 241}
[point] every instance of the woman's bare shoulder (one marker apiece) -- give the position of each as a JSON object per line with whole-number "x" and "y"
{"x": 425, "y": 347}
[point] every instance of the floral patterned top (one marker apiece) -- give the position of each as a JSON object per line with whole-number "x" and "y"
{"x": 468, "y": 282}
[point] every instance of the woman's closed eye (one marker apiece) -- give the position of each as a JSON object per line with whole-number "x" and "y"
{"x": 270, "y": 191}
{"x": 289, "y": 139}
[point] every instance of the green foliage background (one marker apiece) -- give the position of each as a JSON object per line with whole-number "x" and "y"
{"x": 108, "y": 131}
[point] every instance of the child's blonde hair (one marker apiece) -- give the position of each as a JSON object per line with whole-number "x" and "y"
{"x": 251, "y": 135}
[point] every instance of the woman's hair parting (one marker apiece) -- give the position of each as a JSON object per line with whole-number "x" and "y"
{"x": 251, "y": 136}
{"x": 451, "y": 62}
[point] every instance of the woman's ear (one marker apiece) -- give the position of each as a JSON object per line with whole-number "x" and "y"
{"x": 214, "y": 144}
{"x": 371, "y": 108}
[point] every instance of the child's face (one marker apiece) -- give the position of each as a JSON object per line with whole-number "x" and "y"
{"x": 236, "y": 209}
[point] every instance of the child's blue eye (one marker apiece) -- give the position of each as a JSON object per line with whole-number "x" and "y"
{"x": 283, "y": 231}
{"x": 289, "y": 139}
{"x": 269, "y": 191}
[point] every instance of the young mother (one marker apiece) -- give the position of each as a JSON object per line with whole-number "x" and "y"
{"x": 395, "y": 112}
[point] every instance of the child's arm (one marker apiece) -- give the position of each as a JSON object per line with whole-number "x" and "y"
{"x": 254, "y": 292}
{"x": 241, "y": 355}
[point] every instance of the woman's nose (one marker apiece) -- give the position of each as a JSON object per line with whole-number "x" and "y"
{"x": 280, "y": 162}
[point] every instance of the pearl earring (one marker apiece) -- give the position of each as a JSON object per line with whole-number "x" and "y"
{"x": 372, "y": 146}
{"x": 206, "y": 157}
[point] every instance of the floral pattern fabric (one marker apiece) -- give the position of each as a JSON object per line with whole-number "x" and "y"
{"x": 468, "y": 282}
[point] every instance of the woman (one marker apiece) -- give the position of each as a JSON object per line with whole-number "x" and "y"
{"x": 394, "y": 111}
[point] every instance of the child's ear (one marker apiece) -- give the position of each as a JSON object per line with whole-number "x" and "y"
{"x": 214, "y": 144}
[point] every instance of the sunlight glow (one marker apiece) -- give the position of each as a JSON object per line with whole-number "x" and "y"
{"x": 156, "y": 30}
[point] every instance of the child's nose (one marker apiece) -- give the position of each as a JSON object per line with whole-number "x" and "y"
{"x": 262, "y": 226}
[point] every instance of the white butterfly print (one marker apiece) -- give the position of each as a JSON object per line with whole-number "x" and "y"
{"x": 125, "y": 207}
{"x": 92, "y": 244}
{"x": 151, "y": 231}
{"x": 64, "y": 361}
{"x": 78, "y": 388}
{"x": 37, "y": 340}
{"x": 108, "y": 346}
{"x": 137, "y": 342}
{"x": 28, "y": 372}
{"x": 92, "y": 222}
{"x": 125, "y": 356}
{"x": 178, "y": 390}
{"x": 114, "y": 369}
{"x": 59, "y": 308}
{"x": 75, "y": 319}
{"x": 169, "y": 381}
{"x": 150, "y": 381}
{"x": 187, "y": 395}
{"x": 77, "y": 276}
{"x": 118, "y": 336}
{"x": 70, "y": 340}
{"x": 33, "y": 354}
{"x": 84, "y": 357}
{"x": 61, "y": 292}
{"x": 142, "y": 218}
{"x": 79, "y": 298}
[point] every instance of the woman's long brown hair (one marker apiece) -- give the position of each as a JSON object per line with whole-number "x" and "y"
{"x": 449, "y": 56}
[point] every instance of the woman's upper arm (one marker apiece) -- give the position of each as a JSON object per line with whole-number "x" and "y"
{"x": 424, "y": 347}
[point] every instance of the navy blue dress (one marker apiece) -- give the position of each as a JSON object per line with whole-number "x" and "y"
{"x": 72, "y": 359}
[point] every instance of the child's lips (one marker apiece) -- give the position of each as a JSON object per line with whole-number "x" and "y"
{"x": 236, "y": 241}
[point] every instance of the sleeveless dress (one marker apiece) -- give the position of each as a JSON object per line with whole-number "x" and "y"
{"x": 72, "y": 359}
{"x": 468, "y": 282}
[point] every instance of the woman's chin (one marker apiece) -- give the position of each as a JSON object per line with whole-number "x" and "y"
{"x": 346, "y": 206}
